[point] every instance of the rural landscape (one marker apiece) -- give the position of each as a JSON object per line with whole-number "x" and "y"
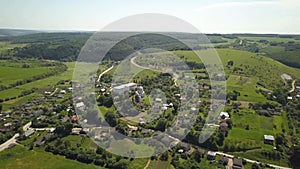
{"x": 40, "y": 127}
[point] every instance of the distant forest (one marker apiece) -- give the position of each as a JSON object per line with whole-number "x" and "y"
{"x": 67, "y": 46}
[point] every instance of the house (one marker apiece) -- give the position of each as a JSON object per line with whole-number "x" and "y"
{"x": 185, "y": 146}
{"x": 237, "y": 163}
{"x": 51, "y": 130}
{"x": 224, "y": 115}
{"x": 269, "y": 139}
{"x": 29, "y": 132}
{"x": 169, "y": 141}
{"x": 63, "y": 92}
{"x": 211, "y": 155}
{"x": 140, "y": 91}
{"x": 124, "y": 87}
{"x": 76, "y": 130}
{"x": 193, "y": 109}
{"x": 158, "y": 100}
{"x": 80, "y": 106}
{"x": 290, "y": 98}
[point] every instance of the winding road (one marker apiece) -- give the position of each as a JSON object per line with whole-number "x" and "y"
{"x": 293, "y": 86}
{"x": 107, "y": 70}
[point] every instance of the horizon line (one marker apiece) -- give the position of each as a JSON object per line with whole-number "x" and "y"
{"x": 95, "y": 30}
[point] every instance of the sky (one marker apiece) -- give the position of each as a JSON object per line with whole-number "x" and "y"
{"x": 209, "y": 16}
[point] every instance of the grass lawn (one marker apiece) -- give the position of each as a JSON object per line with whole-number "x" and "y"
{"x": 246, "y": 87}
{"x": 121, "y": 147}
{"x": 138, "y": 163}
{"x": 84, "y": 141}
{"x": 22, "y": 158}
{"x": 256, "y": 155}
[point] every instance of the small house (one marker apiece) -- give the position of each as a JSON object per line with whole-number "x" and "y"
{"x": 211, "y": 155}
{"x": 29, "y": 132}
{"x": 237, "y": 163}
{"x": 269, "y": 139}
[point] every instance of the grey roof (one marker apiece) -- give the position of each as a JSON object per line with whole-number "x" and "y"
{"x": 29, "y": 132}
{"x": 237, "y": 162}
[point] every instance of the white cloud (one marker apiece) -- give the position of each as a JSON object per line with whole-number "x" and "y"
{"x": 238, "y": 4}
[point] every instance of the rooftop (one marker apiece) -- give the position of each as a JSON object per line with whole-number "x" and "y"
{"x": 269, "y": 137}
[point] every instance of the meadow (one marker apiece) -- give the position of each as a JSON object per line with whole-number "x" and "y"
{"x": 12, "y": 71}
{"x": 21, "y": 158}
{"x": 49, "y": 82}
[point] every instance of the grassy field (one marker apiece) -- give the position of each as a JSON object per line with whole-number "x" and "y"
{"x": 5, "y": 46}
{"x": 246, "y": 87}
{"x": 22, "y": 158}
{"x": 120, "y": 147}
{"x": 249, "y": 72}
{"x": 11, "y": 72}
{"x": 43, "y": 83}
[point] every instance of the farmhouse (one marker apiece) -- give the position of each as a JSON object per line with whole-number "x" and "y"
{"x": 158, "y": 100}
{"x": 124, "y": 87}
{"x": 224, "y": 115}
{"x": 237, "y": 163}
{"x": 211, "y": 155}
{"x": 269, "y": 139}
{"x": 29, "y": 132}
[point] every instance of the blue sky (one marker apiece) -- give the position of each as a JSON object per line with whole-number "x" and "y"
{"x": 209, "y": 16}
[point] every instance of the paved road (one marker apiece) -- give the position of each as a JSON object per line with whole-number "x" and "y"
{"x": 230, "y": 163}
{"x": 13, "y": 140}
{"x": 9, "y": 142}
{"x": 26, "y": 126}
{"x": 107, "y": 70}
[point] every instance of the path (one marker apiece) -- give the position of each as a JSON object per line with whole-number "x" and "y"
{"x": 176, "y": 76}
{"x": 53, "y": 92}
{"x": 293, "y": 86}
{"x": 107, "y": 70}
{"x": 148, "y": 163}
{"x": 13, "y": 140}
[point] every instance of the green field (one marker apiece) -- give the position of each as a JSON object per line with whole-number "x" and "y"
{"x": 5, "y": 46}
{"x": 22, "y": 158}
{"x": 49, "y": 82}
{"x": 11, "y": 72}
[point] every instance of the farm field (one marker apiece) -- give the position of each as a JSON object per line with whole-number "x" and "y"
{"x": 43, "y": 83}
{"x": 11, "y": 72}
{"x": 27, "y": 159}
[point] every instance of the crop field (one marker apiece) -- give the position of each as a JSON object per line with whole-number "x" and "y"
{"x": 12, "y": 72}
{"x": 43, "y": 83}
{"x": 27, "y": 159}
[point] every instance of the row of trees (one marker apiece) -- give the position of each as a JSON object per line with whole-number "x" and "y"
{"x": 99, "y": 157}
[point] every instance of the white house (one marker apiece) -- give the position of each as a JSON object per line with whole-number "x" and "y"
{"x": 224, "y": 114}
{"x": 124, "y": 87}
